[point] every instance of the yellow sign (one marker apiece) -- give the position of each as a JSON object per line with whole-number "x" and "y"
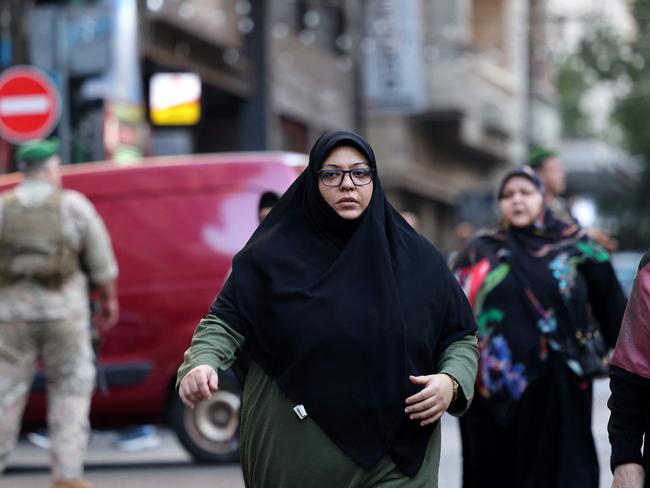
{"x": 175, "y": 99}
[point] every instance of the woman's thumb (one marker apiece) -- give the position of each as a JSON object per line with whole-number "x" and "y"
{"x": 418, "y": 380}
{"x": 213, "y": 381}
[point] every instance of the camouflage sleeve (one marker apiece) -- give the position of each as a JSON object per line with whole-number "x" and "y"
{"x": 95, "y": 245}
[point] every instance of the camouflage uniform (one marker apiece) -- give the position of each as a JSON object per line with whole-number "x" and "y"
{"x": 53, "y": 325}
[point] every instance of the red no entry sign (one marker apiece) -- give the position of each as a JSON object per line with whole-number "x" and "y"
{"x": 30, "y": 104}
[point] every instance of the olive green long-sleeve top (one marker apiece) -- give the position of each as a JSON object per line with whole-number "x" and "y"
{"x": 280, "y": 450}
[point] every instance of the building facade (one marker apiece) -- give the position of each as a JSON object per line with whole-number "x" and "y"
{"x": 464, "y": 120}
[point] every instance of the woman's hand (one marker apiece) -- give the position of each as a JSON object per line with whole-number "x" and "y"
{"x": 428, "y": 405}
{"x": 630, "y": 475}
{"x": 198, "y": 384}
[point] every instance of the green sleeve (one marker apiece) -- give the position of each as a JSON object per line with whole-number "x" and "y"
{"x": 460, "y": 360}
{"x": 214, "y": 343}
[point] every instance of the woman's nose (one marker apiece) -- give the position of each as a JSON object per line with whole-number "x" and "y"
{"x": 347, "y": 182}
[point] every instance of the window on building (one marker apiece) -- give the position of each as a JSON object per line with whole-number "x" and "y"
{"x": 294, "y": 135}
{"x": 321, "y": 23}
{"x": 489, "y": 29}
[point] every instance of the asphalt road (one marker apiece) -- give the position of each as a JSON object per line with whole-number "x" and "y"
{"x": 169, "y": 466}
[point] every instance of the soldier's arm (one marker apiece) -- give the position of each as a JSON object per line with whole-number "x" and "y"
{"x": 109, "y": 310}
{"x": 97, "y": 258}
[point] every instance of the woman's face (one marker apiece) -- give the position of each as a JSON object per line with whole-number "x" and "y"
{"x": 521, "y": 202}
{"x": 348, "y": 199}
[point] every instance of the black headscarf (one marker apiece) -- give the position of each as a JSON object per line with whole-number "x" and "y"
{"x": 340, "y": 312}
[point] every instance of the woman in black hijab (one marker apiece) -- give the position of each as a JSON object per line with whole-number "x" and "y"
{"x": 359, "y": 337}
{"x": 531, "y": 283}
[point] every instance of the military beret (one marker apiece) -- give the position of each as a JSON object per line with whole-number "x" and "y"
{"x": 537, "y": 156}
{"x": 33, "y": 153}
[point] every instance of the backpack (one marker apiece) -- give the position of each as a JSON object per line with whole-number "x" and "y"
{"x": 33, "y": 245}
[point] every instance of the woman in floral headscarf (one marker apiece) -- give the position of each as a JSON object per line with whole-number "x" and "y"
{"x": 531, "y": 283}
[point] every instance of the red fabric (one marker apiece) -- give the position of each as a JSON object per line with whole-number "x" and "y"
{"x": 471, "y": 278}
{"x": 632, "y": 351}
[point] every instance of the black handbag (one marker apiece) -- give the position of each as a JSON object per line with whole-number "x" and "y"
{"x": 592, "y": 352}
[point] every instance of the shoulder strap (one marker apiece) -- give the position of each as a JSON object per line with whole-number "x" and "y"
{"x": 531, "y": 293}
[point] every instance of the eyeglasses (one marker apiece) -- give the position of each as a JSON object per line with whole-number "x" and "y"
{"x": 334, "y": 177}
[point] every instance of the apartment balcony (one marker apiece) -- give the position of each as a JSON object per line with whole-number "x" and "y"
{"x": 205, "y": 36}
{"x": 476, "y": 105}
{"x": 311, "y": 83}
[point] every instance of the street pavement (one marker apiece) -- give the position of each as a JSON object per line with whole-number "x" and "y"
{"x": 168, "y": 465}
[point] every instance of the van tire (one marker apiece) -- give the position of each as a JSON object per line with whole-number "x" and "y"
{"x": 210, "y": 431}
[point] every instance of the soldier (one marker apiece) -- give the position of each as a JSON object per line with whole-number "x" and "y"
{"x": 551, "y": 172}
{"x": 54, "y": 248}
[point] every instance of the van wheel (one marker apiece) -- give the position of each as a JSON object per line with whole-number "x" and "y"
{"x": 210, "y": 431}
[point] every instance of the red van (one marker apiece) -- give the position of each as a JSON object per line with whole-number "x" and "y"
{"x": 175, "y": 224}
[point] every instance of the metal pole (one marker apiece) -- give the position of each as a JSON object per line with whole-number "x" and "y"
{"x": 19, "y": 11}
{"x": 253, "y": 129}
{"x": 61, "y": 66}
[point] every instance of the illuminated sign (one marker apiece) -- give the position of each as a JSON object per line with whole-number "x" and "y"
{"x": 175, "y": 99}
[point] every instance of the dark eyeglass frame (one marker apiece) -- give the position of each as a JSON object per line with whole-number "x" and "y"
{"x": 343, "y": 173}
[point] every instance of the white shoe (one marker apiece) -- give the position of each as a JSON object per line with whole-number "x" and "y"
{"x": 40, "y": 438}
{"x": 139, "y": 438}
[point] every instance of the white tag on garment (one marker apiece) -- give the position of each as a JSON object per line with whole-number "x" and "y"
{"x": 300, "y": 411}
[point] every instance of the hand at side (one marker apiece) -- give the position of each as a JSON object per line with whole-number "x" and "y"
{"x": 198, "y": 384}
{"x": 432, "y": 401}
{"x": 630, "y": 475}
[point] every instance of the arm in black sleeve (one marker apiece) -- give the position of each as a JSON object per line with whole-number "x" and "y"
{"x": 629, "y": 404}
{"x": 605, "y": 297}
{"x": 458, "y": 319}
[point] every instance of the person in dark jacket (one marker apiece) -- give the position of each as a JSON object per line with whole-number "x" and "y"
{"x": 629, "y": 423}
{"x": 531, "y": 282}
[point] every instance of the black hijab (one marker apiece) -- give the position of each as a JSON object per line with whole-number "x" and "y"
{"x": 339, "y": 313}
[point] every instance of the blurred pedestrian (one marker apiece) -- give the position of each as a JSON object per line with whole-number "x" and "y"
{"x": 359, "y": 335}
{"x": 53, "y": 246}
{"x": 531, "y": 282}
{"x": 629, "y": 423}
{"x": 464, "y": 232}
{"x": 551, "y": 172}
{"x": 267, "y": 201}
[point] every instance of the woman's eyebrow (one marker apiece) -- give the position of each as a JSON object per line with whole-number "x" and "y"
{"x": 336, "y": 165}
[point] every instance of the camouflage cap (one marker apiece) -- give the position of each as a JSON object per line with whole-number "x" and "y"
{"x": 34, "y": 153}
{"x": 537, "y": 156}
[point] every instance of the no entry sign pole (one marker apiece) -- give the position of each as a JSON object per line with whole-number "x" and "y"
{"x": 30, "y": 104}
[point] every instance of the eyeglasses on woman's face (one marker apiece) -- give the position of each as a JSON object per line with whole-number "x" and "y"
{"x": 334, "y": 177}
{"x": 346, "y": 182}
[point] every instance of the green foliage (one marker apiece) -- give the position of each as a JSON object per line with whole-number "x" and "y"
{"x": 603, "y": 56}
{"x": 571, "y": 82}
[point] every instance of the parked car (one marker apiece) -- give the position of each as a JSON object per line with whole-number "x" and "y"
{"x": 175, "y": 224}
{"x": 626, "y": 264}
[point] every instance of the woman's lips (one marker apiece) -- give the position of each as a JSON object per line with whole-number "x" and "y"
{"x": 347, "y": 204}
